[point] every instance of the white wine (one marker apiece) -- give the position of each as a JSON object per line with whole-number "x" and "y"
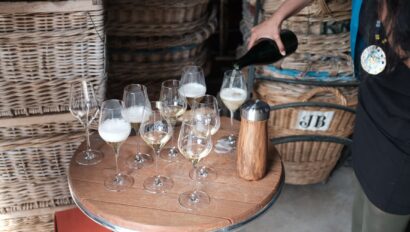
{"x": 156, "y": 139}
{"x": 193, "y": 92}
{"x": 233, "y": 98}
{"x": 173, "y": 112}
{"x": 194, "y": 148}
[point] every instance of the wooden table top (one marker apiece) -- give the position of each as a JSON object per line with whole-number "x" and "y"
{"x": 234, "y": 200}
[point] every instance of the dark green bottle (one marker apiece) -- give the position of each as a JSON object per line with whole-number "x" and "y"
{"x": 265, "y": 51}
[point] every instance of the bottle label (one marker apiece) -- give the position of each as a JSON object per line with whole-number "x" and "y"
{"x": 314, "y": 120}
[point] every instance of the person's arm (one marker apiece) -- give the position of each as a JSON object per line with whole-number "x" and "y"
{"x": 270, "y": 28}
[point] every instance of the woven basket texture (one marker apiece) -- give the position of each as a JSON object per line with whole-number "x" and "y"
{"x": 33, "y": 171}
{"x": 308, "y": 162}
{"x": 149, "y": 18}
{"x": 41, "y": 53}
{"x": 31, "y": 221}
{"x": 43, "y": 223}
{"x": 275, "y": 93}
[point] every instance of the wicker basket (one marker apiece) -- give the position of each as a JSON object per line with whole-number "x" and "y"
{"x": 34, "y": 156}
{"x": 309, "y": 159}
{"x": 149, "y": 18}
{"x": 315, "y": 118}
{"x": 44, "y": 46}
{"x": 29, "y": 221}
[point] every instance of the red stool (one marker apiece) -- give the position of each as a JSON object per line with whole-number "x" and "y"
{"x": 74, "y": 220}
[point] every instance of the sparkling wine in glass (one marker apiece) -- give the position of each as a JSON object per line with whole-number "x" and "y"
{"x": 206, "y": 113}
{"x": 192, "y": 84}
{"x": 156, "y": 131}
{"x": 173, "y": 106}
{"x": 233, "y": 94}
{"x": 137, "y": 110}
{"x": 84, "y": 106}
{"x": 114, "y": 130}
{"x": 194, "y": 143}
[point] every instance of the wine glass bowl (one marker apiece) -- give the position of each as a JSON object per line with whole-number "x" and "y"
{"x": 84, "y": 106}
{"x": 114, "y": 130}
{"x": 136, "y": 111}
{"x": 192, "y": 84}
{"x": 156, "y": 131}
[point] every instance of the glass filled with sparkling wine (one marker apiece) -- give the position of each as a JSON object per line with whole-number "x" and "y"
{"x": 84, "y": 106}
{"x": 192, "y": 84}
{"x": 156, "y": 131}
{"x": 137, "y": 110}
{"x": 194, "y": 142}
{"x": 114, "y": 130}
{"x": 233, "y": 94}
{"x": 173, "y": 107}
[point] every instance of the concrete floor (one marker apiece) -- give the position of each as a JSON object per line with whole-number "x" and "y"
{"x": 311, "y": 208}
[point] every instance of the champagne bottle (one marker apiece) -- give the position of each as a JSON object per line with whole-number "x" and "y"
{"x": 265, "y": 51}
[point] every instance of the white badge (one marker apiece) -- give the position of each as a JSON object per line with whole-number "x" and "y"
{"x": 373, "y": 60}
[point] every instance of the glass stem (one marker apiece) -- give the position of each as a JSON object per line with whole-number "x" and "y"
{"x": 232, "y": 113}
{"x": 138, "y": 144}
{"x": 88, "y": 153}
{"x": 195, "y": 166}
{"x": 117, "y": 154}
{"x": 156, "y": 153}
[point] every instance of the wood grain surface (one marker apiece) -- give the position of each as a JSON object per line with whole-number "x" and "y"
{"x": 233, "y": 199}
{"x": 252, "y": 150}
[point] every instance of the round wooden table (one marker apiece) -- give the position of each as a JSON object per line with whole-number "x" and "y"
{"x": 234, "y": 201}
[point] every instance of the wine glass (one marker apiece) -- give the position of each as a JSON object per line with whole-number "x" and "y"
{"x": 84, "y": 106}
{"x": 194, "y": 142}
{"x": 173, "y": 106}
{"x": 114, "y": 130}
{"x": 137, "y": 108}
{"x": 206, "y": 112}
{"x": 156, "y": 131}
{"x": 233, "y": 94}
{"x": 192, "y": 84}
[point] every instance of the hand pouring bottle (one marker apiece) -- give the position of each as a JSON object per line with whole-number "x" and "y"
{"x": 252, "y": 146}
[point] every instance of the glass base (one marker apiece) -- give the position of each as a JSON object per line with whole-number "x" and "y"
{"x": 89, "y": 157}
{"x": 203, "y": 173}
{"x": 118, "y": 182}
{"x": 229, "y": 141}
{"x": 171, "y": 155}
{"x": 139, "y": 160}
{"x": 158, "y": 184}
{"x": 194, "y": 200}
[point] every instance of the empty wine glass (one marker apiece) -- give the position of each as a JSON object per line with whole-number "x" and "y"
{"x": 194, "y": 142}
{"x": 173, "y": 106}
{"x": 84, "y": 106}
{"x": 136, "y": 110}
{"x": 207, "y": 113}
{"x": 114, "y": 130}
{"x": 156, "y": 132}
{"x": 192, "y": 84}
{"x": 233, "y": 94}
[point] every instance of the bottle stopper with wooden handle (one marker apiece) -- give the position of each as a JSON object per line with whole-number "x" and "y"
{"x": 252, "y": 146}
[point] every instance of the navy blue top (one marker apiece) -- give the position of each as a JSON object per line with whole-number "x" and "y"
{"x": 381, "y": 139}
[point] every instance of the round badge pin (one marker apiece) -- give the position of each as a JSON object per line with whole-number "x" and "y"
{"x": 373, "y": 60}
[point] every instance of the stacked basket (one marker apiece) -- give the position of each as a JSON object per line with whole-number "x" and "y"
{"x": 313, "y": 92}
{"x": 150, "y": 41}
{"x": 44, "y": 46}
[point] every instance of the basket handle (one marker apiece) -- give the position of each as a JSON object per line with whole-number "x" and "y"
{"x": 309, "y": 95}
